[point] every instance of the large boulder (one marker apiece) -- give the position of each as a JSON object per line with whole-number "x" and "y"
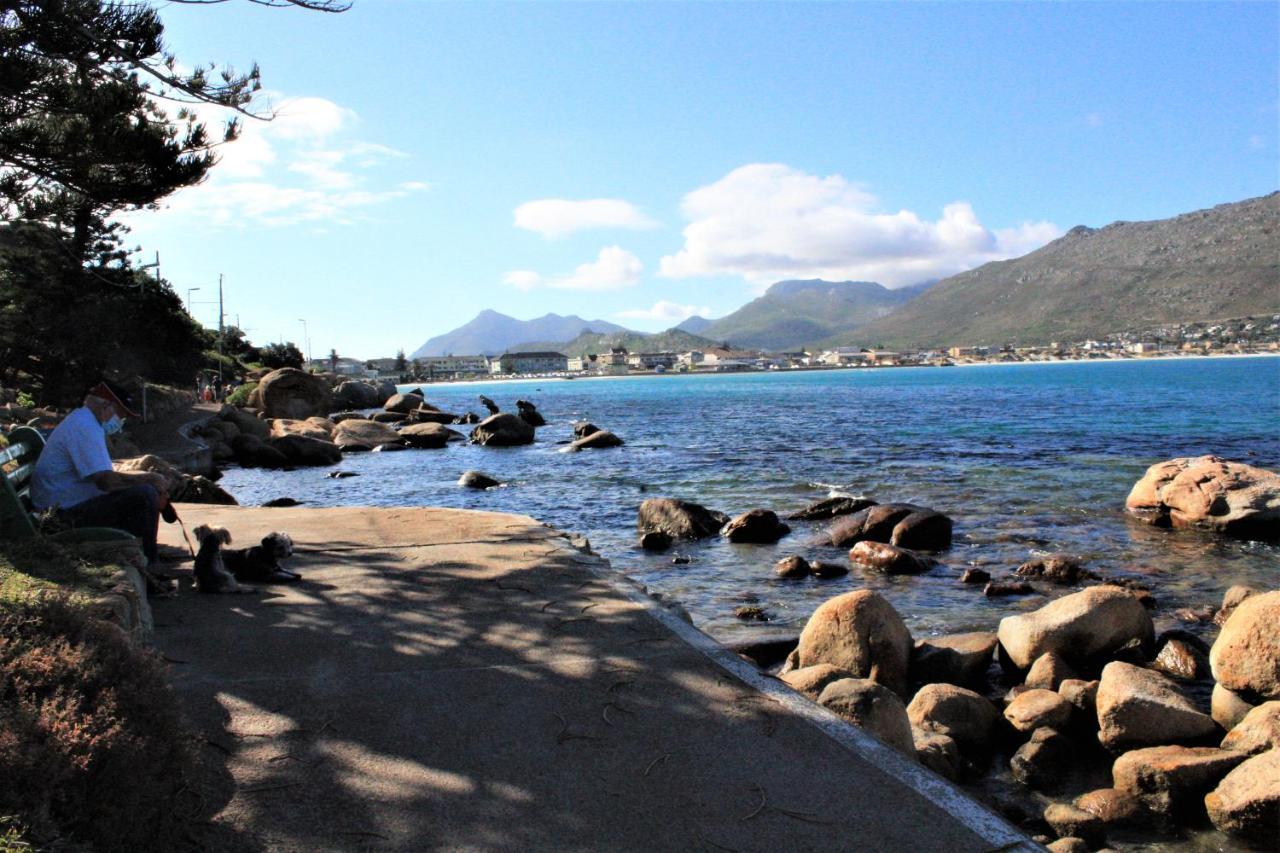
{"x": 1259, "y": 731}
{"x": 502, "y": 430}
{"x": 254, "y": 452}
{"x": 317, "y": 427}
{"x": 477, "y": 480}
{"x": 1048, "y": 672}
{"x": 872, "y": 707}
{"x": 402, "y": 404}
{"x": 937, "y": 752}
{"x": 960, "y": 714}
{"x": 429, "y": 435}
{"x": 1079, "y": 627}
{"x": 1209, "y": 493}
{"x": 861, "y": 632}
{"x": 1246, "y": 802}
{"x": 1034, "y": 708}
{"x": 1228, "y": 708}
{"x": 1044, "y": 759}
{"x": 529, "y": 413}
{"x": 889, "y": 559}
{"x": 812, "y": 680}
{"x": 364, "y": 435}
{"x": 354, "y": 394}
{"x": 760, "y": 526}
{"x": 244, "y": 422}
{"x": 1172, "y": 781}
{"x": 960, "y": 659}
{"x": 601, "y": 438}
{"x": 304, "y": 450}
{"x": 425, "y": 415}
{"x": 1246, "y": 656}
{"x": 679, "y": 519}
{"x": 1139, "y": 707}
{"x": 291, "y": 393}
{"x": 876, "y": 523}
{"x": 922, "y": 530}
{"x": 830, "y": 508}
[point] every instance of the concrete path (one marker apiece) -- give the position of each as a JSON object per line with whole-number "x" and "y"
{"x": 450, "y": 680}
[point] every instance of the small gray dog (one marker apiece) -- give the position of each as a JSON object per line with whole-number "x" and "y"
{"x": 210, "y": 571}
{"x": 261, "y": 563}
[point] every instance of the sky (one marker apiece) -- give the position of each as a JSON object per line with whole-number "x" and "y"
{"x": 641, "y": 163}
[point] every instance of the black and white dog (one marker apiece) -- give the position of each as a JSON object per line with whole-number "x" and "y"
{"x": 210, "y": 570}
{"x": 261, "y": 563}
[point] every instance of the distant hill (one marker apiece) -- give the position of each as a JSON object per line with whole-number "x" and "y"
{"x": 695, "y": 325}
{"x": 791, "y": 314}
{"x": 1212, "y": 264}
{"x": 672, "y": 340}
{"x": 491, "y": 333}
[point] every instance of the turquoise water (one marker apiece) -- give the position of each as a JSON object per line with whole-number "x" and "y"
{"x": 1027, "y": 459}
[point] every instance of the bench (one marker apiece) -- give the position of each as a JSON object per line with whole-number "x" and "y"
{"x": 18, "y": 461}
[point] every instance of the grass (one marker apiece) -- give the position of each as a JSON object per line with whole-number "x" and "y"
{"x": 42, "y": 566}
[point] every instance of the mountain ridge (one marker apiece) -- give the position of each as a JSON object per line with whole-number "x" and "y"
{"x": 490, "y": 333}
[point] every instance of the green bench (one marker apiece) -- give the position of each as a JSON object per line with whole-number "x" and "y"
{"x": 18, "y": 461}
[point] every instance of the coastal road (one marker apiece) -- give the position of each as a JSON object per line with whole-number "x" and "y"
{"x": 444, "y": 679}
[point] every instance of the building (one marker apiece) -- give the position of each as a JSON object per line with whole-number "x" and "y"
{"x": 844, "y": 357}
{"x": 451, "y": 366}
{"x": 650, "y": 360}
{"x": 529, "y": 362}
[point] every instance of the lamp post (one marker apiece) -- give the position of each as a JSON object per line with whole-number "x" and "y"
{"x": 306, "y": 339}
{"x": 190, "y": 290}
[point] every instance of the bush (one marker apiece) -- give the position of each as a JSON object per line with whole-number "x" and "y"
{"x": 91, "y": 742}
{"x": 240, "y": 396}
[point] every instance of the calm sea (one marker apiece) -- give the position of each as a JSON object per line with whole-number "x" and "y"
{"x": 1027, "y": 459}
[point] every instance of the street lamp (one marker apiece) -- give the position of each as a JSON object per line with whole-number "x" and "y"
{"x": 190, "y": 290}
{"x": 306, "y": 339}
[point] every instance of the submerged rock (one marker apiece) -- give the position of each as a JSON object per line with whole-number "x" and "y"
{"x": 655, "y": 540}
{"x": 679, "y": 519}
{"x": 889, "y": 559}
{"x": 830, "y": 508}
{"x": 595, "y": 441}
{"x": 759, "y": 526}
{"x": 904, "y": 525}
{"x": 1062, "y": 569}
{"x": 477, "y": 480}
{"x": 792, "y": 567}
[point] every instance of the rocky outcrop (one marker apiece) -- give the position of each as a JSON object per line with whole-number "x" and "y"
{"x": 1245, "y": 658}
{"x": 655, "y": 541}
{"x": 1138, "y": 707}
{"x": 477, "y": 480}
{"x": 529, "y": 413}
{"x": 830, "y": 508}
{"x": 1257, "y": 732}
{"x": 1078, "y": 627}
{"x": 582, "y": 429}
{"x": 1209, "y": 493}
{"x": 679, "y": 519}
{"x": 254, "y": 452}
{"x": 1062, "y": 569}
{"x": 595, "y": 441}
{"x": 872, "y": 707}
{"x": 861, "y": 632}
{"x": 502, "y": 430}
{"x": 960, "y": 659}
{"x": 759, "y": 526}
{"x": 304, "y": 450}
{"x": 431, "y": 436}
{"x": 402, "y": 404}
{"x": 960, "y": 714}
{"x": 1246, "y": 802}
{"x": 904, "y": 525}
{"x": 353, "y": 435}
{"x": 314, "y": 427}
{"x": 291, "y": 393}
{"x": 354, "y": 394}
{"x": 889, "y": 559}
{"x": 1172, "y": 781}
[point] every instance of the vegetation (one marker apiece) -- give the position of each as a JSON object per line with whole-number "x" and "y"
{"x": 672, "y": 340}
{"x": 240, "y": 396}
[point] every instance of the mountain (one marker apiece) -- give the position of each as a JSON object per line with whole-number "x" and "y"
{"x": 695, "y": 325}
{"x": 791, "y": 314}
{"x": 672, "y": 340}
{"x": 491, "y": 333}
{"x": 1213, "y": 264}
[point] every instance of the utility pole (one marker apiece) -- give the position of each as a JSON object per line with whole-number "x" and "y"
{"x": 156, "y": 265}
{"x": 220, "y": 318}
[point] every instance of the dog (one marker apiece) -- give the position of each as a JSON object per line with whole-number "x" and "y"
{"x": 210, "y": 571}
{"x": 261, "y": 563}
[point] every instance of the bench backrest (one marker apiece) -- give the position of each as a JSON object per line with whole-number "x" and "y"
{"x": 18, "y": 461}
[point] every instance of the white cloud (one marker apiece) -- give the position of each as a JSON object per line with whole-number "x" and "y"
{"x": 613, "y": 269}
{"x": 558, "y": 217}
{"x": 768, "y": 221}
{"x": 666, "y": 311}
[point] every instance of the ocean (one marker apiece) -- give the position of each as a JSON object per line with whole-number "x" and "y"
{"x": 1027, "y": 459}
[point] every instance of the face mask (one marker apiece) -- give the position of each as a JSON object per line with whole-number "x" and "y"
{"x": 113, "y": 426}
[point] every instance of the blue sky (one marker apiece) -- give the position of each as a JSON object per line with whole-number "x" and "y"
{"x": 636, "y": 162}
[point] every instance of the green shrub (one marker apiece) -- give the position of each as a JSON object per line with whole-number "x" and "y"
{"x": 240, "y": 396}
{"x": 91, "y": 742}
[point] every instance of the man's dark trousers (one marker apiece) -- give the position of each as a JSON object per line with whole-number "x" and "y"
{"x": 135, "y": 509}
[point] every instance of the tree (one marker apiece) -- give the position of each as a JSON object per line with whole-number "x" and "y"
{"x": 281, "y": 355}
{"x": 400, "y": 364}
{"x": 333, "y": 361}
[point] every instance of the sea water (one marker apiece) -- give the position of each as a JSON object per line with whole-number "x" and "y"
{"x": 1028, "y": 459}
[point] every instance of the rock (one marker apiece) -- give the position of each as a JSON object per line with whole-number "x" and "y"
{"x": 356, "y": 395}
{"x": 1138, "y": 707}
{"x": 1209, "y": 493}
{"x": 363, "y": 435}
{"x": 1081, "y": 694}
{"x": 792, "y": 567}
{"x": 582, "y": 429}
{"x": 1231, "y": 600}
{"x": 830, "y": 508}
{"x": 751, "y": 613}
{"x": 388, "y": 418}
{"x": 1257, "y": 732}
{"x": 937, "y": 752}
{"x": 996, "y": 589}
{"x": 245, "y": 422}
{"x": 876, "y": 523}
{"x": 468, "y": 418}
{"x": 1071, "y": 822}
{"x": 1044, "y": 760}
{"x": 595, "y": 441}
{"x": 1182, "y": 655}
{"x": 889, "y": 559}
{"x": 489, "y": 404}
{"x": 960, "y": 659}
{"x": 681, "y": 560}
{"x": 1070, "y": 844}
{"x": 502, "y": 430}
{"x": 679, "y": 519}
{"x": 1079, "y": 627}
{"x": 964, "y": 716}
{"x": 477, "y": 480}
{"x": 765, "y": 652}
{"x": 1035, "y": 708}
{"x": 1246, "y": 802}
{"x": 655, "y": 540}
{"x": 1245, "y": 658}
{"x": 428, "y": 435}
{"x": 1061, "y": 569}
{"x": 1048, "y": 672}
{"x": 922, "y": 530}
{"x": 1112, "y": 806}
{"x": 529, "y": 413}
{"x": 304, "y": 450}
{"x": 1171, "y": 781}
{"x": 974, "y": 576}
{"x": 1227, "y": 708}
{"x": 812, "y": 680}
{"x": 282, "y": 502}
{"x": 430, "y": 416}
{"x": 401, "y": 404}
{"x": 291, "y": 393}
{"x": 220, "y": 429}
{"x": 872, "y": 707}
{"x": 861, "y": 632}
{"x": 826, "y": 570}
{"x": 254, "y": 452}
{"x": 390, "y": 447}
{"x": 759, "y": 526}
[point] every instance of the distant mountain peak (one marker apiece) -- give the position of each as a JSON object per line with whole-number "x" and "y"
{"x": 491, "y": 332}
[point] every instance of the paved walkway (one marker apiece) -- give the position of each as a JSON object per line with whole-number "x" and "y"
{"x": 443, "y": 679}
{"x": 163, "y": 438}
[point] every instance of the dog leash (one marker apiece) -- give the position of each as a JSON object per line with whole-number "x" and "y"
{"x": 183, "y": 528}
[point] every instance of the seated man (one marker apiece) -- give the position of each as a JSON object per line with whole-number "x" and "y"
{"x": 74, "y": 475}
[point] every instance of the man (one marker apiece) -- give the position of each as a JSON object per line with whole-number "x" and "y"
{"x": 74, "y": 475}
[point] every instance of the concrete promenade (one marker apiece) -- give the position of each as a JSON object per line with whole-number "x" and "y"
{"x": 451, "y": 680}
